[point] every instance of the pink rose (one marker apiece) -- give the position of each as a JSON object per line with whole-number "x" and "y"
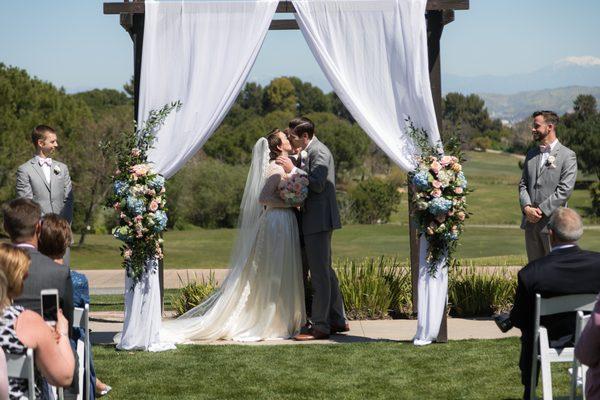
{"x": 454, "y": 159}
{"x": 436, "y": 184}
{"x": 127, "y": 254}
{"x": 436, "y": 193}
{"x": 456, "y": 167}
{"x": 458, "y": 190}
{"x": 153, "y": 206}
{"x": 430, "y": 231}
{"x": 117, "y": 206}
{"x": 138, "y": 218}
{"x": 461, "y": 215}
{"x": 117, "y": 172}
{"x": 122, "y": 215}
{"x": 135, "y": 152}
{"x": 446, "y": 160}
{"x": 435, "y": 167}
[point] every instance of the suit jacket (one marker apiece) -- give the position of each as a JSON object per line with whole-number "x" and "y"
{"x": 320, "y": 207}
{"x": 44, "y": 273}
{"x": 54, "y": 197}
{"x": 564, "y": 271}
{"x": 547, "y": 188}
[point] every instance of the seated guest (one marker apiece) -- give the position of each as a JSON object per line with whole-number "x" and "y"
{"x": 21, "y": 329}
{"x": 587, "y": 352}
{"x": 565, "y": 270}
{"x": 55, "y": 239}
{"x": 22, "y": 222}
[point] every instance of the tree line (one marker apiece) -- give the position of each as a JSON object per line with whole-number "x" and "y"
{"x": 207, "y": 191}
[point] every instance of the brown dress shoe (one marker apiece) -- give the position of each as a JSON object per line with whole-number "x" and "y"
{"x": 339, "y": 328}
{"x": 312, "y": 335}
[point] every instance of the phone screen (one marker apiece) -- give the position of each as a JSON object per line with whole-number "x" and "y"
{"x": 50, "y": 307}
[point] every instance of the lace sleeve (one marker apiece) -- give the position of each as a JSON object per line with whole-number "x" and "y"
{"x": 269, "y": 195}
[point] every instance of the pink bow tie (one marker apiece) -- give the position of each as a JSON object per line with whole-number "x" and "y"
{"x": 545, "y": 149}
{"x": 47, "y": 161}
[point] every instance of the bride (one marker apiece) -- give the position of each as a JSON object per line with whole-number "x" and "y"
{"x": 262, "y": 297}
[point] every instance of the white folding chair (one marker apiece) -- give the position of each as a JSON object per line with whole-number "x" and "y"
{"x": 81, "y": 320}
{"x": 21, "y": 366}
{"x": 546, "y": 354}
{"x": 582, "y": 321}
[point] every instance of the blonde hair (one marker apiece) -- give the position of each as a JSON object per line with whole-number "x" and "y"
{"x": 3, "y": 290}
{"x": 14, "y": 263}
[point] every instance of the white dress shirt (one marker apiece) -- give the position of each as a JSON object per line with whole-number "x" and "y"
{"x": 45, "y": 167}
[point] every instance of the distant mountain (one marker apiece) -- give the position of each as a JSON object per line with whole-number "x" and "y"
{"x": 570, "y": 71}
{"x": 516, "y": 107}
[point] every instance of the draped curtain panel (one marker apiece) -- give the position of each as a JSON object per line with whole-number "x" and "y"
{"x": 374, "y": 54}
{"x": 199, "y": 53}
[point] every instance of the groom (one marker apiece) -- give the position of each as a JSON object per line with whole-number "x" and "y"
{"x": 320, "y": 217}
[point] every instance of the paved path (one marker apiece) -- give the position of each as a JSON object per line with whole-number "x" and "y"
{"x": 105, "y": 324}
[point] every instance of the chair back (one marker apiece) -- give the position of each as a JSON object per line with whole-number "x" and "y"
{"x": 560, "y": 304}
{"x": 21, "y": 366}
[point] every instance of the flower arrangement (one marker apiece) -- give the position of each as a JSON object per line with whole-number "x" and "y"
{"x": 139, "y": 197}
{"x": 439, "y": 189}
{"x": 293, "y": 189}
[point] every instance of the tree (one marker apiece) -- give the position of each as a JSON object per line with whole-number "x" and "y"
{"x": 585, "y": 106}
{"x": 309, "y": 98}
{"x": 469, "y": 115}
{"x": 129, "y": 88}
{"x": 339, "y": 109}
{"x": 280, "y": 95}
{"x": 251, "y": 98}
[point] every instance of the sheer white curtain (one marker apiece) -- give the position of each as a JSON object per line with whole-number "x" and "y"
{"x": 374, "y": 53}
{"x": 199, "y": 53}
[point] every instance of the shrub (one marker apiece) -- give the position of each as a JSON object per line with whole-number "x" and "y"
{"x": 193, "y": 293}
{"x": 374, "y": 288}
{"x": 595, "y": 194}
{"x": 374, "y": 200}
{"x": 478, "y": 292}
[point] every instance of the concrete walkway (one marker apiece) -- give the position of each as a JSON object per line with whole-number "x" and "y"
{"x": 105, "y": 324}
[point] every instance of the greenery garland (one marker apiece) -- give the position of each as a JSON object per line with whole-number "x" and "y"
{"x": 439, "y": 190}
{"x": 139, "y": 196}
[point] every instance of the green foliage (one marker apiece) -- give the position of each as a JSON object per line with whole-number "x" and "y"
{"x": 481, "y": 143}
{"x": 309, "y": 98}
{"x": 101, "y": 99}
{"x": 193, "y": 293}
{"x": 208, "y": 193}
{"x": 251, "y": 98}
{"x": 374, "y": 200}
{"x": 480, "y": 292}
{"x": 348, "y": 142}
{"x": 280, "y": 94}
{"x": 595, "y": 195}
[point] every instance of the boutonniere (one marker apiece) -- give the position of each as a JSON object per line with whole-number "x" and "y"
{"x": 550, "y": 162}
{"x": 56, "y": 170}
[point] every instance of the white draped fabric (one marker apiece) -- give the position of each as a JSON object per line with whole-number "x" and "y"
{"x": 432, "y": 298}
{"x": 142, "y": 314}
{"x": 374, "y": 53}
{"x": 199, "y": 53}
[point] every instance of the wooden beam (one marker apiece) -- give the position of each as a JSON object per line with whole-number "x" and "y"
{"x": 283, "y": 24}
{"x": 138, "y": 7}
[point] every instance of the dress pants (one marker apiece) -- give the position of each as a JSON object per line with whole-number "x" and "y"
{"x": 327, "y": 304}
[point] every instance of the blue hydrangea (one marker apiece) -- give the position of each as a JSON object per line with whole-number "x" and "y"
{"x": 120, "y": 188}
{"x": 122, "y": 233}
{"x": 451, "y": 236}
{"x": 439, "y": 206}
{"x": 156, "y": 182}
{"x": 135, "y": 205}
{"x": 461, "y": 180}
{"x": 160, "y": 221}
{"x": 421, "y": 180}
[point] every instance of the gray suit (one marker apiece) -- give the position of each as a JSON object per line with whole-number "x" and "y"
{"x": 54, "y": 197}
{"x": 547, "y": 188}
{"x": 319, "y": 218}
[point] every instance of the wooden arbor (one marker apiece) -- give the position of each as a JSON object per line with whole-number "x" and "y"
{"x": 439, "y": 13}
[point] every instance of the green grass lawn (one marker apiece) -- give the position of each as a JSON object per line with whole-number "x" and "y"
{"x": 493, "y": 177}
{"x": 207, "y": 248}
{"x": 470, "y": 369}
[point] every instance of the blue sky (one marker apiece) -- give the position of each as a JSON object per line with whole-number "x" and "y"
{"x": 72, "y": 44}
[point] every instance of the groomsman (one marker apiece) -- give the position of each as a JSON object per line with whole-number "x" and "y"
{"x": 44, "y": 180}
{"x": 548, "y": 179}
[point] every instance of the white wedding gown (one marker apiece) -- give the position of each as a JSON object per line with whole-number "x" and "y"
{"x": 263, "y": 296}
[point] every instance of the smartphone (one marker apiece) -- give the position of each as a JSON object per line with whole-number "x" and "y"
{"x": 49, "y": 298}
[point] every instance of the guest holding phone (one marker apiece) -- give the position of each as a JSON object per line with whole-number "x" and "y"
{"x": 55, "y": 238}
{"x": 21, "y": 329}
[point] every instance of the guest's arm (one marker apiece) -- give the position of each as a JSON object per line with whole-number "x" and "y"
{"x": 588, "y": 347}
{"x": 53, "y": 353}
